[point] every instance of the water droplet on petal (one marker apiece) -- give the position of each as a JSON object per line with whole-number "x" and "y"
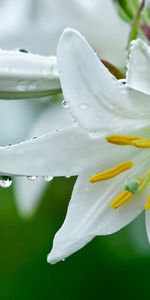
{"x": 23, "y": 51}
{"x": 48, "y": 178}
{"x": 123, "y": 80}
{"x": 5, "y": 182}
{"x": 32, "y": 178}
{"x": 64, "y": 104}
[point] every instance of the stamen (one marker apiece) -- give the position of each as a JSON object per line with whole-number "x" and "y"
{"x": 147, "y": 204}
{"x": 122, "y": 198}
{"x": 143, "y": 143}
{"x": 121, "y": 139}
{"x": 108, "y": 174}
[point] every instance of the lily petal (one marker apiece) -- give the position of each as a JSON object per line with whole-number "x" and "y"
{"x": 138, "y": 75}
{"x": 27, "y": 193}
{"x": 16, "y": 118}
{"x": 26, "y": 75}
{"x": 64, "y": 152}
{"x": 95, "y": 98}
{"x": 59, "y": 153}
{"x": 89, "y": 213}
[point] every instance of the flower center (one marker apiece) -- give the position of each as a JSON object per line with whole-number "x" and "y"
{"x": 133, "y": 186}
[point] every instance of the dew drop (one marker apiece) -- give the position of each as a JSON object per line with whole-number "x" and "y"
{"x": 64, "y": 104}
{"x": 5, "y": 182}
{"x": 32, "y": 178}
{"x": 123, "y": 80}
{"x": 23, "y": 51}
{"x": 48, "y": 178}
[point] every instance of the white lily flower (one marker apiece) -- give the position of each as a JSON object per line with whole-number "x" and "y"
{"x": 37, "y": 25}
{"x": 100, "y": 105}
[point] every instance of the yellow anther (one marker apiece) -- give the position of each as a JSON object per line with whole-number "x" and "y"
{"x": 143, "y": 143}
{"x": 147, "y": 204}
{"x": 122, "y": 198}
{"x": 108, "y": 174}
{"x": 121, "y": 139}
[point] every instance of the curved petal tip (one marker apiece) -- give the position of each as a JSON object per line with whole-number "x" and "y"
{"x": 69, "y": 33}
{"x": 53, "y": 259}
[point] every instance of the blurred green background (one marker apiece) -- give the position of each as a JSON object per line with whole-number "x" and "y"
{"x": 115, "y": 266}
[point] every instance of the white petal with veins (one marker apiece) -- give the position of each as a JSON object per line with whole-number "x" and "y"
{"x": 65, "y": 152}
{"x": 95, "y": 98}
{"x": 58, "y": 153}
{"x": 89, "y": 213}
